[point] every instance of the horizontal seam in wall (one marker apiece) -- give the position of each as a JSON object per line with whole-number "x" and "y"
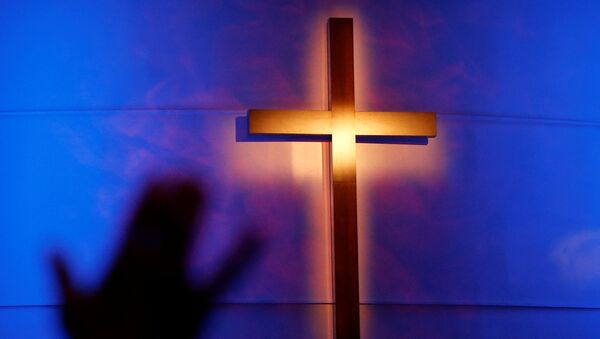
{"x": 524, "y": 119}
{"x": 406, "y": 305}
{"x": 451, "y": 115}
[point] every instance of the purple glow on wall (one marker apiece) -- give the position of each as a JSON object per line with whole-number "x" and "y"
{"x": 500, "y": 209}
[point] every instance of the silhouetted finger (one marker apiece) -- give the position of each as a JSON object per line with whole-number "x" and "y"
{"x": 64, "y": 278}
{"x": 245, "y": 252}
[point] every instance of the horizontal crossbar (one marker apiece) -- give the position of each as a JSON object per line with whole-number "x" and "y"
{"x": 414, "y": 124}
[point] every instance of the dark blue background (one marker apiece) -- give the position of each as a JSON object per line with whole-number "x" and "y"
{"x": 501, "y": 209}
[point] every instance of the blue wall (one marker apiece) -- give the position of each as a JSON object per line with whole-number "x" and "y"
{"x": 491, "y": 230}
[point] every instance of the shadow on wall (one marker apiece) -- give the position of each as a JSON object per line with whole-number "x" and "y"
{"x": 93, "y": 163}
{"x": 147, "y": 293}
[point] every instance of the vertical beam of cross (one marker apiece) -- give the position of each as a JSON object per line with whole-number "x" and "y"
{"x": 343, "y": 156}
{"x": 343, "y": 123}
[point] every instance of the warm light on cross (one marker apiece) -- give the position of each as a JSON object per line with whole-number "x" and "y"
{"x": 343, "y": 123}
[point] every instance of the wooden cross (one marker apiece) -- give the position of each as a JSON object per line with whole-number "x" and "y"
{"x": 343, "y": 123}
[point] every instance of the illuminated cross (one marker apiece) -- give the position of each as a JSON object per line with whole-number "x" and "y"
{"x": 343, "y": 123}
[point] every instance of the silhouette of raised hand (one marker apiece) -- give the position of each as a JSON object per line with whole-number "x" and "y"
{"x": 146, "y": 294}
